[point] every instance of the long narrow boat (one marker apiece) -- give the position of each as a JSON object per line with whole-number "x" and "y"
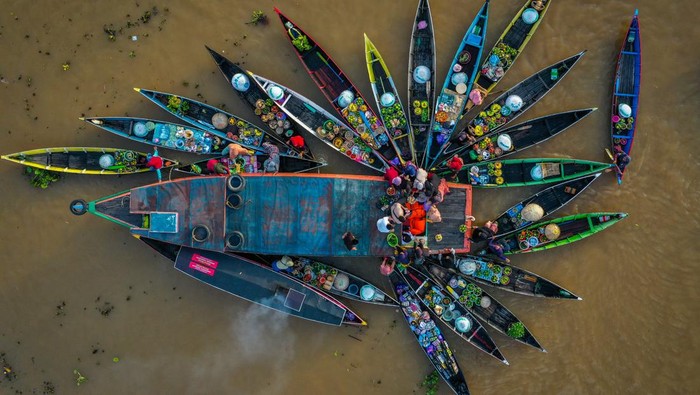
{"x": 525, "y": 172}
{"x": 625, "y": 98}
{"x": 218, "y": 121}
{"x": 421, "y": 75}
{"x": 482, "y": 304}
{"x": 510, "y": 105}
{"x": 295, "y": 214}
{"x": 547, "y": 201}
{"x": 257, "y": 283}
{"x": 455, "y": 316}
{"x": 509, "y": 46}
{"x": 387, "y": 97}
{"x": 557, "y": 232}
{"x": 249, "y": 164}
{"x": 330, "y": 279}
{"x": 485, "y": 272}
{"x": 520, "y": 137}
{"x": 458, "y": 83}
{"x": 320, "y": 123}
{"x": 339, "y": 90}
{"x": 86, "y": 160}
{"x": 163, "y": 134}
{"x": 428, "y": 335}
{"x": 257, "y": 100}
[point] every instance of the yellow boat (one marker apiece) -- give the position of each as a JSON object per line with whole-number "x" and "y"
{"x": 86, "y": 160}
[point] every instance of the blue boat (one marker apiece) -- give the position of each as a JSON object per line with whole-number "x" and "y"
{"x": 283, "y": 214}
{"x": 458, "y": 84}
{"x": 625, "y": 100}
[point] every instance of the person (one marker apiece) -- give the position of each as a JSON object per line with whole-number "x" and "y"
{"x": 271, "y": 164}
{"x": 455, "y": 165}
{"x": 410, "y": 169}
{"x": 385, "y": 224}
{"x": 233, "y": 150}
{"x": 214, "y": 166}
{"x": 621, "y": 158}
{"x": 402, "y": 256}
{"x": 399, "y": 213}
{"x": 496, "y": 248}
{"x": 474, "y": 177}
{"x": 418, "y": 253}
{"x": 155, "y": 162}
{"x": 421, "y": 178}
{"x": 297, "y": 142}
{"x": 485, "y": 232}
{"x": 387, "y": 268}
{"x": 350, "y": 241}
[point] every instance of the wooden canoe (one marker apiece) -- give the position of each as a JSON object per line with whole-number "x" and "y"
{"x": 258, "y": 101}
{"x": 628, "y": 76}
{"x": 458, "y": 82}
{"x": 388, "y": 101}
{"x": 428, "y": 335}
{"x": 571, "y": 228}
{"x": 504, "y": 109}
{"x": 323, "y": 125}
{"x": 549, "y": 199}
{"x": 329, "y": 279}
{"x": 339, "y": 90}
{"x": 508, "y": 47}
{"x": 236, "y": 128}
{"x": 252, "y": 281}
{"x": 524, "y": 172}
{"x": 521, "y": 137}
{"x": 163, "y": 134}
{"x": 86, "y": 160}
{"x": 519, "y": 281}
{"x": 421, "y": 94}
{"x": 251, "y": 164}
{"x": 480, "y": 303}
{"x": 448, "y": 309}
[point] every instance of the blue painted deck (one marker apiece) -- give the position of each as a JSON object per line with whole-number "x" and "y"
{"x": 290, "y": 214}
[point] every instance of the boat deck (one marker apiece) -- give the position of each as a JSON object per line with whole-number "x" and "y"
{"x": 288, "y": 214}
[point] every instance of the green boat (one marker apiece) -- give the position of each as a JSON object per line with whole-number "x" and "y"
{"x": 557, "y": 232}
{"x": 525, "y": 172}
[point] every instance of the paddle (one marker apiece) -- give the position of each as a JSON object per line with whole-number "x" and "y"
{"x": 617, "y": 168}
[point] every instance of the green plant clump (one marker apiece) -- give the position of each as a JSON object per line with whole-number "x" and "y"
{"x": 41, "y": 178}
{"x": 258, "y": 17}
{"x": 430, "y": 383}
{"x": 516, "y": 330}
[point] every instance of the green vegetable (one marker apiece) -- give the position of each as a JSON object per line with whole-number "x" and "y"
{"x": 516, "y": 330}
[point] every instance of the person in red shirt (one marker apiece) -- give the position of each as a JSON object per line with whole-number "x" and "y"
{"x": 155, "y": 162}
{"x": 297, "y": 141}
{"x": 455, "y": 164}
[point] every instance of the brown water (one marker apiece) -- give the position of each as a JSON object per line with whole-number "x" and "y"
{"x": 631, "y": 334}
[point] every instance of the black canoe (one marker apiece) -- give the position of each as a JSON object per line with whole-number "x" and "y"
{"x": 258, "y": 101}
{"x": 421, "y": 95}
{"x": 453, "y": 314}
{"x": 550, "y": 200}
{"x": 329, "y": 279}
{"x": 482, "y": 304}
{"x": 522, "y": 136}
{"x": 252, "y": 164}
{"x": 506, "y": 107}
{"x": 256, "y": 283}
{"x": 428, "y": 335}
{"x": 519, "y": 281}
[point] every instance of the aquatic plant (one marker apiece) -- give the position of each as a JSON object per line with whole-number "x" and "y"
{"x": 41, "y": 178}
{"x": 258, "y": 17}
{"x": 431, "y": 383}
{"x": 80, "y": 379}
